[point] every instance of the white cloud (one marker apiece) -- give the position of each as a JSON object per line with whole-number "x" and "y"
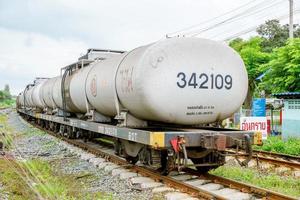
{"x": 25, "y": 55}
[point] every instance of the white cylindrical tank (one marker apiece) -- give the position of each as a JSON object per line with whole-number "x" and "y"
{"x": 53, "y": 96}
{"x": 177, "y": 80}
{"x": 22, "y": 99}
{"x": 182, "y": 81}
{"x": 47, "y": 92}
{"x": 100, "y": 85}
{"x": 19, "y": 100}
{"x": 36, "y": 97}
{"x": 56, "y": 92}
{"x": 28, "y": 97}
{"x": 77, "y": 89}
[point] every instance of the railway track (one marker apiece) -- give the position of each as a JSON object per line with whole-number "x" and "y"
{"x": 276, "y": 159}
{"x": 202, "y": 186}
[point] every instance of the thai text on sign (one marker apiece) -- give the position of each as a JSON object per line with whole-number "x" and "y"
{"x": 257, "y": 124}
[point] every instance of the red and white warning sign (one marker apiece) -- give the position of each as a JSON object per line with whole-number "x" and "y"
{"x": 257, "y": 124}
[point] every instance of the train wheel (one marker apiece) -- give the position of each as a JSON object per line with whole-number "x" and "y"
{"x": 69, "y": 132}
{"x": 132, "y": 160}
{"x": 118, "y": 147}
{"x": 56, "y": 128}
{"x": 42, "y": 124}
{"x": 78, "y": 134}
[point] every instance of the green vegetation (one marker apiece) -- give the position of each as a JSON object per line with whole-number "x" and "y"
{"x": 11, "y": 177}
{"x": 5, "y": 132}
{"x": 275, "y": 35}
{"x": 271, "y": 53}
{"x": 35, "y": 178}
{"x": 276, "y": 144}
{"x": 285, "y": 185}
{"x": 284, "y": 74}
{"x": 253, "y": 57}
{"x": 39, "y": 179}
{"x": 34, "y": 131}
{"x": 7, "y": 103}
{"x": 6, "y": 99}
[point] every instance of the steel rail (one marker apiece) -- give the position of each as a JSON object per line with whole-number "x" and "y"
{"x": 268, "y": 194}
{"x": 192, "y": 190}
{"x": 283, "y": 156}
{"x": 243, "y": 187}
{"x": 287, "y": 161}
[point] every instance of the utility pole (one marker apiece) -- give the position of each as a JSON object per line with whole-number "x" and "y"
{"x": 291, "y": 24}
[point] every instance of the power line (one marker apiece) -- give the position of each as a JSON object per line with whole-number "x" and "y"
{"x": 212, "y": 19}
{"x": 244, "y": 14}
{"x": 265, "y": 15}
{"x": 254, "y": 27}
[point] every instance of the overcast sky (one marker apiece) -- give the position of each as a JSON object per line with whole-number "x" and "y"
{"x": 38, "y": 37}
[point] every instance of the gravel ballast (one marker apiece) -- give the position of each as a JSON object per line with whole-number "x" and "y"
{"x": 34, "y": 144}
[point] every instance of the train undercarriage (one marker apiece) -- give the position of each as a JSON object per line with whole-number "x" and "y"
{"x": 165, "y": 149}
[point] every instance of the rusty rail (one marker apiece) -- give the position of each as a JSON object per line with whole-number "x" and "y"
{"x": 268, "y": 194}
{"x": 285, "y": 160}
{"x": 283, "y": 156}
{"x": 243, "y": 187}
{"x": 194, "y": 191}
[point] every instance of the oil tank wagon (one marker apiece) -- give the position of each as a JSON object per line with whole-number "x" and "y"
{"x": 156, "y": 99}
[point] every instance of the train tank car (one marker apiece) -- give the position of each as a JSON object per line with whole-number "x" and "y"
{"x": 164, "y": 81}
{"x": 153, "y": 101}
{"x": 182, "y": 81}
{"x": 36, "y": 93}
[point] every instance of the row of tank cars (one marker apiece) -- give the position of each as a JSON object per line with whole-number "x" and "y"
{"x": 165, "y": 100}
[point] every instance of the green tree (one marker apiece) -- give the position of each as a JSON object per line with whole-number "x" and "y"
{"x": 5, "y": 94}
{"x": 2, "y": 96}
{"x": 274, "y": 34}
{"x": 6, "y": 88}
{"x": 283, "y": 71}
{"x": 253, "y": 57}
{"x": 7, "y": 91}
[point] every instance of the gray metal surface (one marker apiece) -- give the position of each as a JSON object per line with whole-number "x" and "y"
{"x": 77, "y": 88}
{"x": 28, "y": 97}
{"x": 100, "y": 85}
{"x": 193, "y": 138}
{"x": 47, "y": 92}
{"x": 56, "y": 93}
{"x": 36, "y": 98}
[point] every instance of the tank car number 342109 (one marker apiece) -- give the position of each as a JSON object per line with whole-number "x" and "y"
{"x": 204, "y": 81}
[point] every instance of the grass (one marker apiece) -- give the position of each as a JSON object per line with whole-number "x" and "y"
{"x": 34, "y": 131}
{"x": 285, "y": 185}
{"x": 39, "y": 179}
{"x": 7, "y": 103}
{"x": 11, "y": 178}
{"x": 35, "y": 178}
{"x": 5, "y": 131}
{"x": 276, "y": 144}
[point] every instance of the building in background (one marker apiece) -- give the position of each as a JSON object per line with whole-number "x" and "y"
{"x": 290, "y": 114}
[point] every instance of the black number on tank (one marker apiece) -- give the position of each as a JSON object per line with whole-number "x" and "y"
{"x": 193, "y": 81}
{"x": 204, "y": 81}
{"x": 228, "y": 82}
{"x": 219, "y": 81}
{"x": 182, "y": 82}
